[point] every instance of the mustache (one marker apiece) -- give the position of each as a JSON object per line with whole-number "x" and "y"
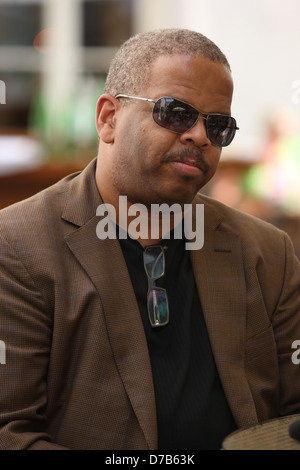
{"x": 194, "y": 156}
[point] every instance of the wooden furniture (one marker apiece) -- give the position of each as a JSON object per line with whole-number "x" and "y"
{"x": 18, "y": 186}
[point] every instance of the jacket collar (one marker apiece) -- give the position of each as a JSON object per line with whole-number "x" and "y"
{"x": 83, "y": 197}
{"x": 219, "y": 274}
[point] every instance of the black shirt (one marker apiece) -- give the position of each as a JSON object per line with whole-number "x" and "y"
{"x": 192, "y": 411}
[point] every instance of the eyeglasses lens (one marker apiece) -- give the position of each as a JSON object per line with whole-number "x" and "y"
{"x": 158, "y": 308}
{"x": 179, "y": 117}
{"x": 220, "y": 129}
{"x": 154, "y": 261}
{"x": 174, "y": 115}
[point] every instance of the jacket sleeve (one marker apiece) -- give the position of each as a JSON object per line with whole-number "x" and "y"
{"x": 286, "y": 326}
{"x": 25, "y": 345}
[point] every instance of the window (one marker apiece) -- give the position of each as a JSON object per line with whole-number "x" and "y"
{"x": 97, "y": 28}
{"x": 107, "y": 22}
{"x": 19, "y": 24}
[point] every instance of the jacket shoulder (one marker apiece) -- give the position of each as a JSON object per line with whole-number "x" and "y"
{"x": 47, "y": 207}
{"x": 249, "y": 228}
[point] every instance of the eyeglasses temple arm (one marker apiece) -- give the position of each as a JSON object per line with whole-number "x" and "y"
{"x": 134, "y": 98}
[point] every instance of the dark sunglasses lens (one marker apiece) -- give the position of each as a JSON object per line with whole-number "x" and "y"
{"x": 174, "y": 115}
{"x": 154, "y": 262}
{"x": 220, "y": 129}
{"x": 158, "y": 308}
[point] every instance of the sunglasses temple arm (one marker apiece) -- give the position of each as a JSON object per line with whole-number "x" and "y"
{"x": 135, "y": 98}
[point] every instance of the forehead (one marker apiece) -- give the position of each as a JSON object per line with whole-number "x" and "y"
{"x": 197, "y": 80}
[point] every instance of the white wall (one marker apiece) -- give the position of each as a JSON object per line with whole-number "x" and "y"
{"x": 261, "y": 39}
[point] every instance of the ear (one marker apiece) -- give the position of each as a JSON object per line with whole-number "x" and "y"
{"x": 107, "y": 107}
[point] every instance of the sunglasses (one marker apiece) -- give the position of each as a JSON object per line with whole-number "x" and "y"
{"x": 179, "y": 117}
{"x": 157, "y": 302}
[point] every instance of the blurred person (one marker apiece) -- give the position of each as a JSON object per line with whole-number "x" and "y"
{"x": 141, "y": 343}
{"x": 275, "y": 178}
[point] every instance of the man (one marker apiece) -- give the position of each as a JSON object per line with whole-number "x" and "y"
{"x": 138, "y": 342}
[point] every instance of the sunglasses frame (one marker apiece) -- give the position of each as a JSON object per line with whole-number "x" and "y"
{"x": 200, "y": 115}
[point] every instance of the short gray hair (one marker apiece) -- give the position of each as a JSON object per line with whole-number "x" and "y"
{"x": 130, "y": 70}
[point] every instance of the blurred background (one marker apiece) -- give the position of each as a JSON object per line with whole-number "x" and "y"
{"x": 54, "y": 56}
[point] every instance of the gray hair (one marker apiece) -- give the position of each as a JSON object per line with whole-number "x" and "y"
{"x": 130, "y": 70}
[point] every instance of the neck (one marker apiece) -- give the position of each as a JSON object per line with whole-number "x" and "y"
{"x": 148, "y": 225}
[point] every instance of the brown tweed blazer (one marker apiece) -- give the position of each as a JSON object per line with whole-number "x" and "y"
{"x": 77, "y": 373}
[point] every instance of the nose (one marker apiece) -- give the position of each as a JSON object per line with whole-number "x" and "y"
{"x": 197, "y": 134}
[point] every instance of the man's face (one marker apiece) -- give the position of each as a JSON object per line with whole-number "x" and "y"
{"x": 151, "y": 164}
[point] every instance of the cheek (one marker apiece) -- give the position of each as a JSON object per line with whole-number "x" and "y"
{"x": 147, "y": 147}
{"x": 132, "y": 134}
{"x": 213, "y": 163}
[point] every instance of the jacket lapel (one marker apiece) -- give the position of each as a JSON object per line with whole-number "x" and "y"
{"x": 219, "y": 275}
{"x": 105, "y": 265}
